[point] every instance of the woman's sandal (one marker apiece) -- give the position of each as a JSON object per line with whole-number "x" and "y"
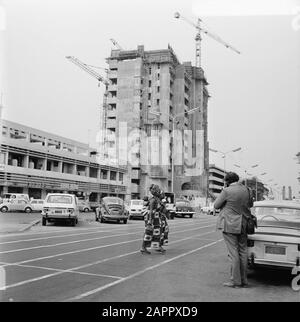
{"x": 145, "y": 251}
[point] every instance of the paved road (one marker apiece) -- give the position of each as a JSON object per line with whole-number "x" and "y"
{"x": 102, "y": 262}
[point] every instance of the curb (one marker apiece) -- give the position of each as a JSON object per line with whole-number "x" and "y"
{"x": 30, "y": 225}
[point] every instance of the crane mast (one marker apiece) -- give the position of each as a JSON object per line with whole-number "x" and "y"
{"x": 198, "y": 38}
{"x": 106, "y": 82}
{"x": 116, "y": 44}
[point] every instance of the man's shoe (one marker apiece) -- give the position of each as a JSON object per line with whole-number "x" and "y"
{"x": 145, "y": 251}
{"x": 161, "y": 250}
{"x": 245, "y": 285}
{"x": 230, "y": 284}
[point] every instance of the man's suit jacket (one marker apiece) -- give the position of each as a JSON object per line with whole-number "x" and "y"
{"x": 235, "y": 202}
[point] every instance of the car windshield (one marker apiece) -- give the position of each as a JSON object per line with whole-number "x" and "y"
{"x": 137, "y": 202}
{"x": 59, "y": 199}
{"x": 277, "y": 213}
{"x": 109, "y": 200}
{"x": 182, "y": 203}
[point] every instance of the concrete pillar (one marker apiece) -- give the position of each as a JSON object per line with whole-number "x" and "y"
{"x": 87, "y": 171}
{"x": 60, "y": 166}
{"x": 26, "y": 161}
{"x": 98, "y": 174}
{"x": 44, "y": 194}
{"x": 44, "y": 164}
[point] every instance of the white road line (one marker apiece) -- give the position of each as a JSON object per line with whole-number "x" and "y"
{"x": 91, "y": 231}
{"x": 88, "y": 233}
{"x": 81, "y": 240}
{"x": 102, "y": 288}
{"x": 87, "y": 265}
{"x": 92, "y": 248}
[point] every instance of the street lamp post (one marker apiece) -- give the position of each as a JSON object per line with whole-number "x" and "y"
{"x": 173, "y": 118}
{"x": 224, "y": 156}
{"x": 246, "y": 171}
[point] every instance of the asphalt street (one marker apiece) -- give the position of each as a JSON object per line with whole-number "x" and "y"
{"x": 102, "y": 262}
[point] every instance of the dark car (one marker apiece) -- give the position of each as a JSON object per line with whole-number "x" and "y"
{"x": 184, "y": 208}
{"x": 112, "y": 209}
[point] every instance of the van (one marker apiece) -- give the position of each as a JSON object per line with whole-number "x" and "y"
{"x": 9, "y": 196}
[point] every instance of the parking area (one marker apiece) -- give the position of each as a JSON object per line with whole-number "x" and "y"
{"x": 102, "y": 262}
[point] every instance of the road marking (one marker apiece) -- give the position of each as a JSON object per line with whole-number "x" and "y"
{"x": 91, "y": 231}
{"x": 102, "y": 288}
{"x": 87, "y": 265}
{"x": 78, "y": 241}
{"x": 92, "y": 248}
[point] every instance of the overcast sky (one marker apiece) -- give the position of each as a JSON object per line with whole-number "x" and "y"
{"x": 255, "y": 96}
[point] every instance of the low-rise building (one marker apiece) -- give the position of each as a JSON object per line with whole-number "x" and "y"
{"x": 215, "y": 181}
{"x": 36, "y": 162}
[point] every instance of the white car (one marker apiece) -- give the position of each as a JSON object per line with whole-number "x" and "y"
{"x": 37, "y": 204}
{"x": 276, "y": 241}
{"x": 16, "y": 205}
{"x": 60, "y": 207}
{"x": 135, "y": 209}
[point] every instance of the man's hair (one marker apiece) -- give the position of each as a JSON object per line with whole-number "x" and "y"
{"x": 231, "y": 177}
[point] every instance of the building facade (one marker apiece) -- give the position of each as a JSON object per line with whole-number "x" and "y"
{"x": 37, "y": 162}
{"x": 216, "y": 181}
{"x": 148, "y": 99}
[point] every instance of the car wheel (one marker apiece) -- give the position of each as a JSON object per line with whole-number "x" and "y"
{"x": 125, "y": 221}
{"x": 4, "y": 209}
{"x": 28, "y": 210}
{"x": 44, "y": 222}
{"x": 191, "y": 216}
{"x": 86, "y": 210}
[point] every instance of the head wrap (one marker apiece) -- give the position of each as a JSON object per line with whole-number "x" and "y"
{"x": 155, "y": 190}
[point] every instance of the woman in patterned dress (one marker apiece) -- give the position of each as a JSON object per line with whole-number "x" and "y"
{"x": 164, "y": 223}
{"x": 152, "y": 235}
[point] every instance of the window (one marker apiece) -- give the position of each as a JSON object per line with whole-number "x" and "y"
{"x": 113, "y": 175}
{"x": 121, "y": 176}
{"x": 157, "y": 102}
{"x": 149, "y": 70}
{"x": 158, "y": 89}
{"x": 149, "y": 96}
{"x": 150, "y": 83}
{"x": 103, "y": 174}
{"x": 158, "y": 76}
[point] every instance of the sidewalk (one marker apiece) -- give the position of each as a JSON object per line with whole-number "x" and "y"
{"x": 17, "y": 222}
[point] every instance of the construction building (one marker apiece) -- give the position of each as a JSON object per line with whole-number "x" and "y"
{"x": 149, "y": 96}
{"x": 36, "y": 162}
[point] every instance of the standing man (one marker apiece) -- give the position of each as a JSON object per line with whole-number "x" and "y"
{"x": 235, "y": 203}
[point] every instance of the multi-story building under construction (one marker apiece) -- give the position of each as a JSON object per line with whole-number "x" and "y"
{"x": 150, "y": 95}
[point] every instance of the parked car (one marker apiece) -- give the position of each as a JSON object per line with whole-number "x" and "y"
{"x": 112, "y": 209}
{"x": 276, "y": 242}
{"x": 60, "y": 207}
{"x": 37, "y": 204}
{"x": 170, "y": 204}
{"x": 209, "y": 210}
{"x": 84, "y": 206}
{"x": 184, "y": 208}
{"x": 135, "y": 209}
{"x": 16, "y": 205}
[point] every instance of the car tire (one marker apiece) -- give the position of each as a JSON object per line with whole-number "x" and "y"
{"x": 4, "y": 209}
{"x": 28, "y": 210}
{"x": 44, "y": 222}
{"x": 191, "y": 216}
{"x": 86, "y": 209}
{"x": 125, "y": 221}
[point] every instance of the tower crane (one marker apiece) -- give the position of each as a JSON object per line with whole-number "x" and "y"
{"x": 89, "y": 70}
{"x": 106, "y": 82}
{"x": 199, "y": 38}
{"x": 116, "y": 44}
